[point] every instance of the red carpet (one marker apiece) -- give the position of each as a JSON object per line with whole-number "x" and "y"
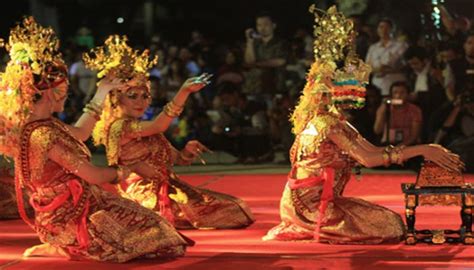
{"x": 243, "y": 249}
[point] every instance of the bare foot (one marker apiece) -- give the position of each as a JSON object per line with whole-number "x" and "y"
{"x": 45, "y": 250}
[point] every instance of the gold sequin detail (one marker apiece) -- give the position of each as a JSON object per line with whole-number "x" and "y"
{"x": 116, "y": 132}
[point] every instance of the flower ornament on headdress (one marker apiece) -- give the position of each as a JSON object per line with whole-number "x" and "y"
{"x": 348, "y": 89}
{"x": 35, "y": 65}
{"x": 116, "y": 59}
{"x": 327, "y": 84}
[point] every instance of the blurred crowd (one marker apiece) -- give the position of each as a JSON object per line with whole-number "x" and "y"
{"x": 420, "y": 91}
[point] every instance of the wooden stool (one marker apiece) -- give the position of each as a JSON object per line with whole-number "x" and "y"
{"x": 438, "y": 187}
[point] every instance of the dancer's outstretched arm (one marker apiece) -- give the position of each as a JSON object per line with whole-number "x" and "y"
{"x": 161, "y": 123}
{"x": 371, "y": 156}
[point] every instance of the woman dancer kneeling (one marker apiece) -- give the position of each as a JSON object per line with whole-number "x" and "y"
{"x": 130, "y": 141}
{"x": 327, "y": 147}
{"x": 73, "y": 216}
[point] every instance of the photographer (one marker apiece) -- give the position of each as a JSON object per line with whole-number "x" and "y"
{"x": 265, "y": 57}
{"x": 457, "y": 132}
{"x": 460, "y": 77}
{"x": 459, "y": 84}
{"x": 426, "y": 82}
{"x": 397, "y": 120}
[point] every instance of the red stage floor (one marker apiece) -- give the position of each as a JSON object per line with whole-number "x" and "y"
{"x": 243, "y": 249}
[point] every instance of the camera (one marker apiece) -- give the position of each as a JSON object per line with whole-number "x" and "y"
{"x": 394, "y": 101}
{"x": 255, "y": 35}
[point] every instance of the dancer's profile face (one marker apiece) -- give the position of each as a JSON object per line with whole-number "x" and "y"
{"x": 135, "y": 101}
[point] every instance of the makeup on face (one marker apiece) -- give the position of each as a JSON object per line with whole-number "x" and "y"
{"x": 135, "y": 101}
{"x": 137, "y": 94}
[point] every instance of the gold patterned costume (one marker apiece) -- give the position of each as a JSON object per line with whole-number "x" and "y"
{"x": 161, "y": 190}
{"x": 313, "y": 205}
{"x": 71, "y": 216}
{"x": 320, "y": 173}
{"x": 186, "y": 206}
{"x": 81, "y": 218}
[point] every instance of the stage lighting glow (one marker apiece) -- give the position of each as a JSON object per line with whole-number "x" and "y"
{"x": 120, "y": 20}
{"x": 435, "y": 14}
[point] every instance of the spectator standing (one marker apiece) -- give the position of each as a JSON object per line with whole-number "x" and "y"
{"x": 427, "y": 84}
{"x": 265, "y": 57}
{"x": 385, "y": 58}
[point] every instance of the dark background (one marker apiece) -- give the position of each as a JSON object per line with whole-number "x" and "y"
{"x": 223, "y": 20}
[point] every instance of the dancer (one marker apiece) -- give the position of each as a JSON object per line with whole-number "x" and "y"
{"x": 141, "y": 144}
{"x": 73, "y": 217}
{"x": 327, "y": 147}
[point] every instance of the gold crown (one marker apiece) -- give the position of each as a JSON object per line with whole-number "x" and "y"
{"x": 334, "y": 41}
{"x": 33, "y": 45}
{"x": 118, "y": 59}
{"x": 33, "y": 50}
{"x": 334, "y": 35}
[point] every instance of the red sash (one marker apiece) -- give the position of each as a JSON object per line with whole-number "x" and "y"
{"x": 327, "y": 180}
{"x": 164, "y": 202}
{"x": 76, "y": 191}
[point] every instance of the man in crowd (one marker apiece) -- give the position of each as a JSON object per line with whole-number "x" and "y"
{"x": 397, "y": 120}
{"x": 385, "y": 58}
{"x": 426, "y": 82}
{"x": 265, "y": 57}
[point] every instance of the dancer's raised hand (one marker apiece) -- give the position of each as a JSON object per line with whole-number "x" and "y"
{"x": 197, "y": 83}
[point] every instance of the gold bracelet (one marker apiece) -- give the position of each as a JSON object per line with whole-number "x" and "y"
{"x": 172, "y": 110}
{"x": 396, "y": 155}
{"x": 93, "y": 109}
{"x": 175, "y": 108}
{"x": 94, "y": 106}
{"x": 386, "y": 155}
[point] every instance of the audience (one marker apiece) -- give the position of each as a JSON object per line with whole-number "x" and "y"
{"x": 416, "y": 94}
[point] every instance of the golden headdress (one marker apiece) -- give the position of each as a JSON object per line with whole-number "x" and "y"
{"x": 35, "y": 65}
{"x": 116, "y": 59}
{"x": 333, "y": 44}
